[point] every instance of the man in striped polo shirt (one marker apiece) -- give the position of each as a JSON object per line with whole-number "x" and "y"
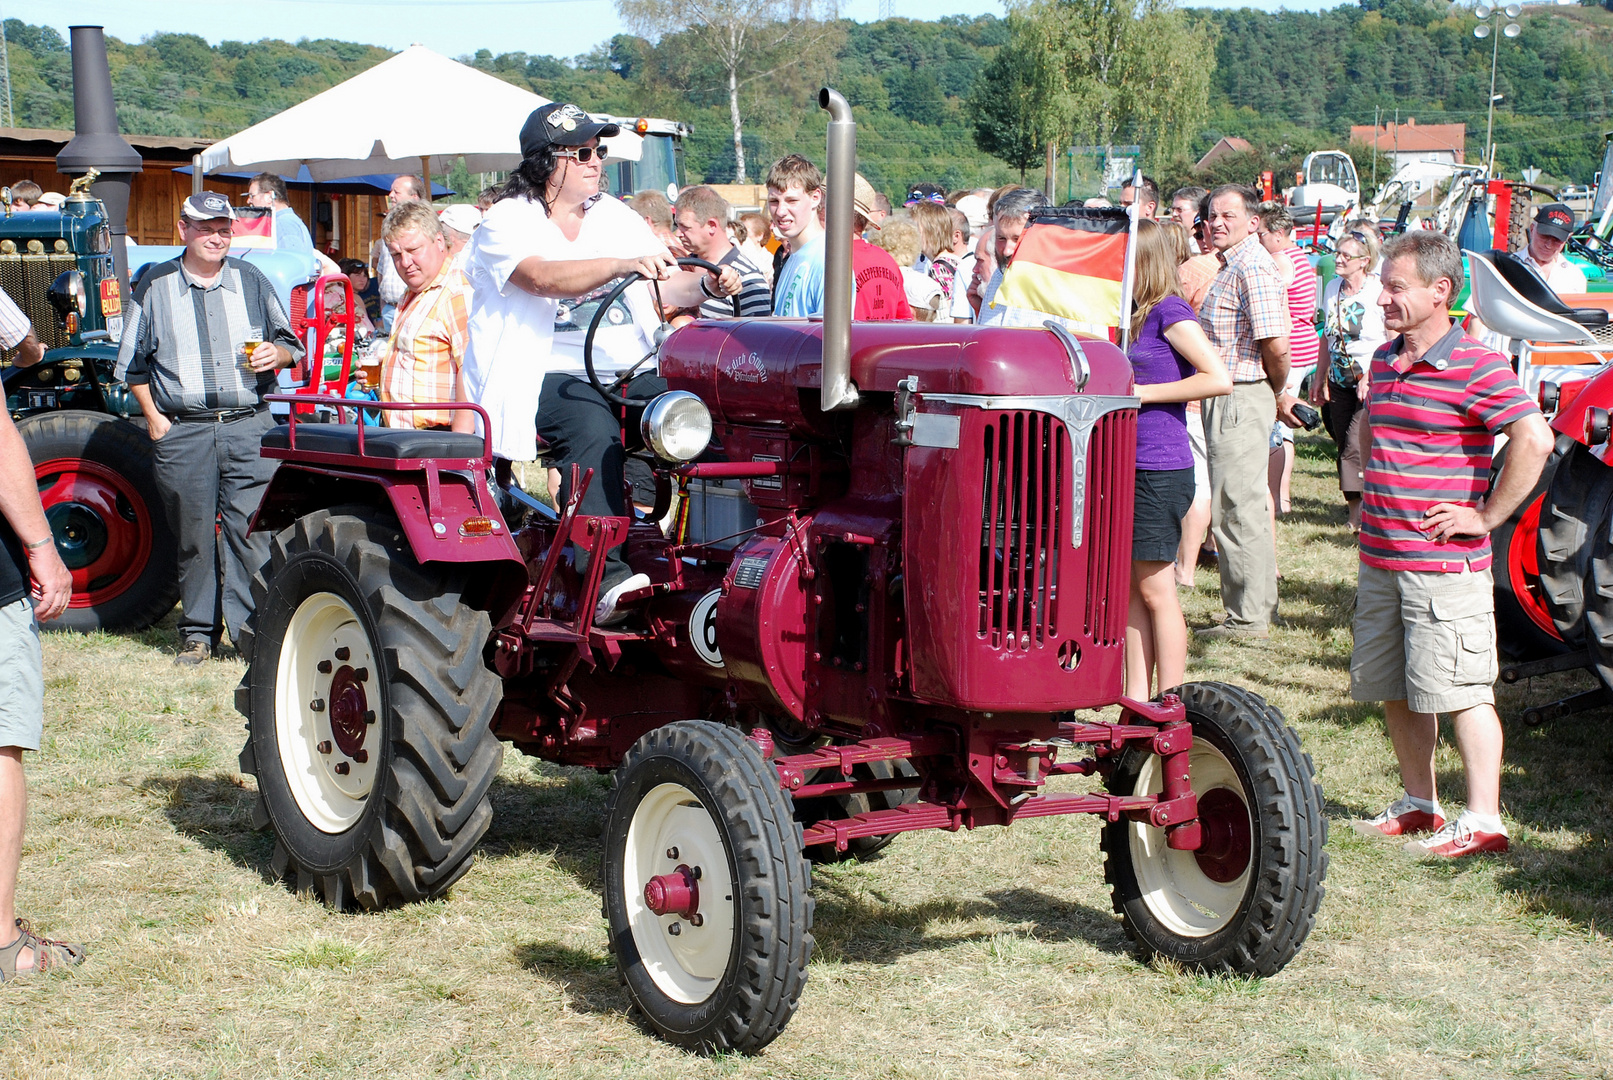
{"x": 185, "y": 356}
{"x": 1425, "y": 601}
{"x": 701, "y": 221}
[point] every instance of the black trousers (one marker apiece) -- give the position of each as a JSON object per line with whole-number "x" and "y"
{"x": 204, "y": 472}
{"x": 583, "y": 428}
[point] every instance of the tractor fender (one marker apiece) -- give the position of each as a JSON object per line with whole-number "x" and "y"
{"x": 451, "y": 535}
{"x": 1594, "y": 393}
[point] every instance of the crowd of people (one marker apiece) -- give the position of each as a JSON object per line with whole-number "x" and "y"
{"x": 487, "y": 303}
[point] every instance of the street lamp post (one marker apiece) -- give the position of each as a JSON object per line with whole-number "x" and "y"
{"x": 1488, "y": 15}
{"x": 1490, "y": 24}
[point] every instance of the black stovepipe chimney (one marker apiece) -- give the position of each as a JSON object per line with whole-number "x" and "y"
{"x": 97, "y": 144}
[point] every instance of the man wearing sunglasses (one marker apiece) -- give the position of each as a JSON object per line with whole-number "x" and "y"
{"x": 551, "y": 244}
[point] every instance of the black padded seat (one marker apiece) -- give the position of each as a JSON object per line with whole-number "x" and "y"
{"x": 389, "y": 443}
{"x": 1528, "y": 283}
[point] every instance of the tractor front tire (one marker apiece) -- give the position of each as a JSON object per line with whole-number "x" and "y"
{"x": 96, "y": 481}
{"x": 369, "y": 709}
{"x": 1244, "y": 902}
{"x": 695, "y": 798}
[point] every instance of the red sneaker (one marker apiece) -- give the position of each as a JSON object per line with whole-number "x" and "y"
{"x": 1400, "y": 818}
{"x": 1456, "y": 840}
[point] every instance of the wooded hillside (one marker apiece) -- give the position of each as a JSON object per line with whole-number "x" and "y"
{"x": 1286, "y": 81}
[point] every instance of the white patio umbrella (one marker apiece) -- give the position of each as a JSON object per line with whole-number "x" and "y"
{"x": 417, "y": 111}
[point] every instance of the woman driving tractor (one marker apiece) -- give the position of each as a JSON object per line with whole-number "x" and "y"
{"x": 552, "y": 241}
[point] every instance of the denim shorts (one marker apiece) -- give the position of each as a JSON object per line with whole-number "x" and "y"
{"x": 22, "y": 677}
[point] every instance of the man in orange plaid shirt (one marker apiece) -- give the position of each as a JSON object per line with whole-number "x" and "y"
{"x": 427, "y": 348}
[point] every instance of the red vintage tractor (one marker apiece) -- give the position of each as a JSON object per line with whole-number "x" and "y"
{"x": 912, "y": 626}
{"x": 1554, "y": 556}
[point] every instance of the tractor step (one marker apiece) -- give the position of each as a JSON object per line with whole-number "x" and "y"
{"x": 1536, "y": 715}
{"x": 1551, "y": 665}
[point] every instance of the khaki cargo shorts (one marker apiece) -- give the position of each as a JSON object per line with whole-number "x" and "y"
{"x": 1424, "y": 637}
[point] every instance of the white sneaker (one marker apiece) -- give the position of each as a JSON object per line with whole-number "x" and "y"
{"x": 605, "y": 613}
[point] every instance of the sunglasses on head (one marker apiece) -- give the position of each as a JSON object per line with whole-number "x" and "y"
{"x": 584, "y": 154}
{"x": 1358, "y": 237}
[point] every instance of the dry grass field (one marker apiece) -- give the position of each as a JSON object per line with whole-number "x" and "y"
{"x": 979, "y": 955}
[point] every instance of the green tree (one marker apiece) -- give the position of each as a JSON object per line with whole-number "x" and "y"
{"x": 1135, "y": 67}
{"x": 748, "y": 39}
{"x": 1009, "y": 107}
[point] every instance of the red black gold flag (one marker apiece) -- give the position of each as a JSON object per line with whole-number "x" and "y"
{"x": 1071, "y": 262}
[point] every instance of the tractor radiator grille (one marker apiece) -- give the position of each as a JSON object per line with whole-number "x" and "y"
{"x": 25, "y": 278}
{"x": 1023, "y": 516}
{"x": 1106, "y": 537}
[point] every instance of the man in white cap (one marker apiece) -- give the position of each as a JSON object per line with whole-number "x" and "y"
{"x": 459, "y": 220}
{"x": 204, "y": 338}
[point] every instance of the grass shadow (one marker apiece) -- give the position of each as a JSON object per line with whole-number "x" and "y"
{"x": 216, "y": 812}
{"x": 589, "y": 978}
{"x": 563, "y": 820}
{"x": 862, "y": 926}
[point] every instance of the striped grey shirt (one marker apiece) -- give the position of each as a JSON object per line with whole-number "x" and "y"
{"x": 755, "y": 296}
{"x": 185, "y": 339}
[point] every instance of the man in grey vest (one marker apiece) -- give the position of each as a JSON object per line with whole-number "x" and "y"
{"x": 205, "y": 336}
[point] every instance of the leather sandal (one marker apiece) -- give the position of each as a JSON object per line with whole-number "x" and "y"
{"x": 48, "y": 954}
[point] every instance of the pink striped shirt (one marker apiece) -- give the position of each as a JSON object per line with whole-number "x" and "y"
{"x": 1304, "y": 347}
{"x": 1434, "y": 422}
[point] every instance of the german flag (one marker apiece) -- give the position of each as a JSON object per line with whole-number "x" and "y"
{"x": 253, "y": 227}
{"x": 1071, "y": 262}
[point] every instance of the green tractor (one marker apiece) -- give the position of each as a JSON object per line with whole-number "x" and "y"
{"x": 83, "y": 429}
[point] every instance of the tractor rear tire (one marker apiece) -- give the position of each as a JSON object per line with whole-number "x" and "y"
{"x": 1599, "y": 608}
{"x": 369, "y": 709}
{"x": 1517, "y": 573}
{"x": 1245, "y": 901}
{"x": 726, "y": 977}
{"x": 1576, "y": 507}
{"x": 96, "y": 480}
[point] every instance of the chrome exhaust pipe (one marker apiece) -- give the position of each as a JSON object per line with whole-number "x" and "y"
{"x": 838, "y": 391}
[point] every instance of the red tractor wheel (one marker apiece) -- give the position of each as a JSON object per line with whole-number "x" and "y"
{"x": 1246, "y": 899}
{"x": 1523, "y": 619}
{"x": 1576, "y": 507}
{"x": 706, "y": 889}
{"x": 95, "y": 480}
{"x": 369, "y": 712}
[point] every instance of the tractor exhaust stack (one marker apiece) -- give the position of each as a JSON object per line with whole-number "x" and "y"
{"x": 838, "y": 391}
{"x": 97, "y": 144}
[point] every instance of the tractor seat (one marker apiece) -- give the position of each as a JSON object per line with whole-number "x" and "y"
{"x": 1533, "y": 288}
{"x": 391, "y": 443}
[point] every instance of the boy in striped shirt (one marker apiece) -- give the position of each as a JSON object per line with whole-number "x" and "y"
{"x": 1424, "y": 622}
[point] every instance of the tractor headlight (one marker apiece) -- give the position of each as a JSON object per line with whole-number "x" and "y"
{"x": 66, "y": 294}
{"x": 677, "y": 426}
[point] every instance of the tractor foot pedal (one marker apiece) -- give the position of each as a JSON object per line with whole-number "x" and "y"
{"x": 1536, "y": 715}
{"x": 1567, "y": 662}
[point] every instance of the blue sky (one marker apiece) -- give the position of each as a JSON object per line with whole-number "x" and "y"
{"x": 452, "y": 27}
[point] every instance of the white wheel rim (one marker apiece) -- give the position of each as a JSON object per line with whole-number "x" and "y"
{"x": 1173, "y": 885}
{"x": 687, "y": 966}
{"x": 310, "y": 750}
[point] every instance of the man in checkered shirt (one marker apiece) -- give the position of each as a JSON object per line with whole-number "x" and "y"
{"x": 1245, "y": 315}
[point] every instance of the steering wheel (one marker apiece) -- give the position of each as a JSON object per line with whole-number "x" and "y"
{"x": 609, "y": 392}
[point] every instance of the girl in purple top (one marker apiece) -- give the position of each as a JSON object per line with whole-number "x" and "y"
{"x": 1174, "y": 363}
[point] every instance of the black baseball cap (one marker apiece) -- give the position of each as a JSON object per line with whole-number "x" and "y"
{"x": 206, "y": 205}
{"x": 560, "y": 124}
{"x": 1555, "y": 220}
